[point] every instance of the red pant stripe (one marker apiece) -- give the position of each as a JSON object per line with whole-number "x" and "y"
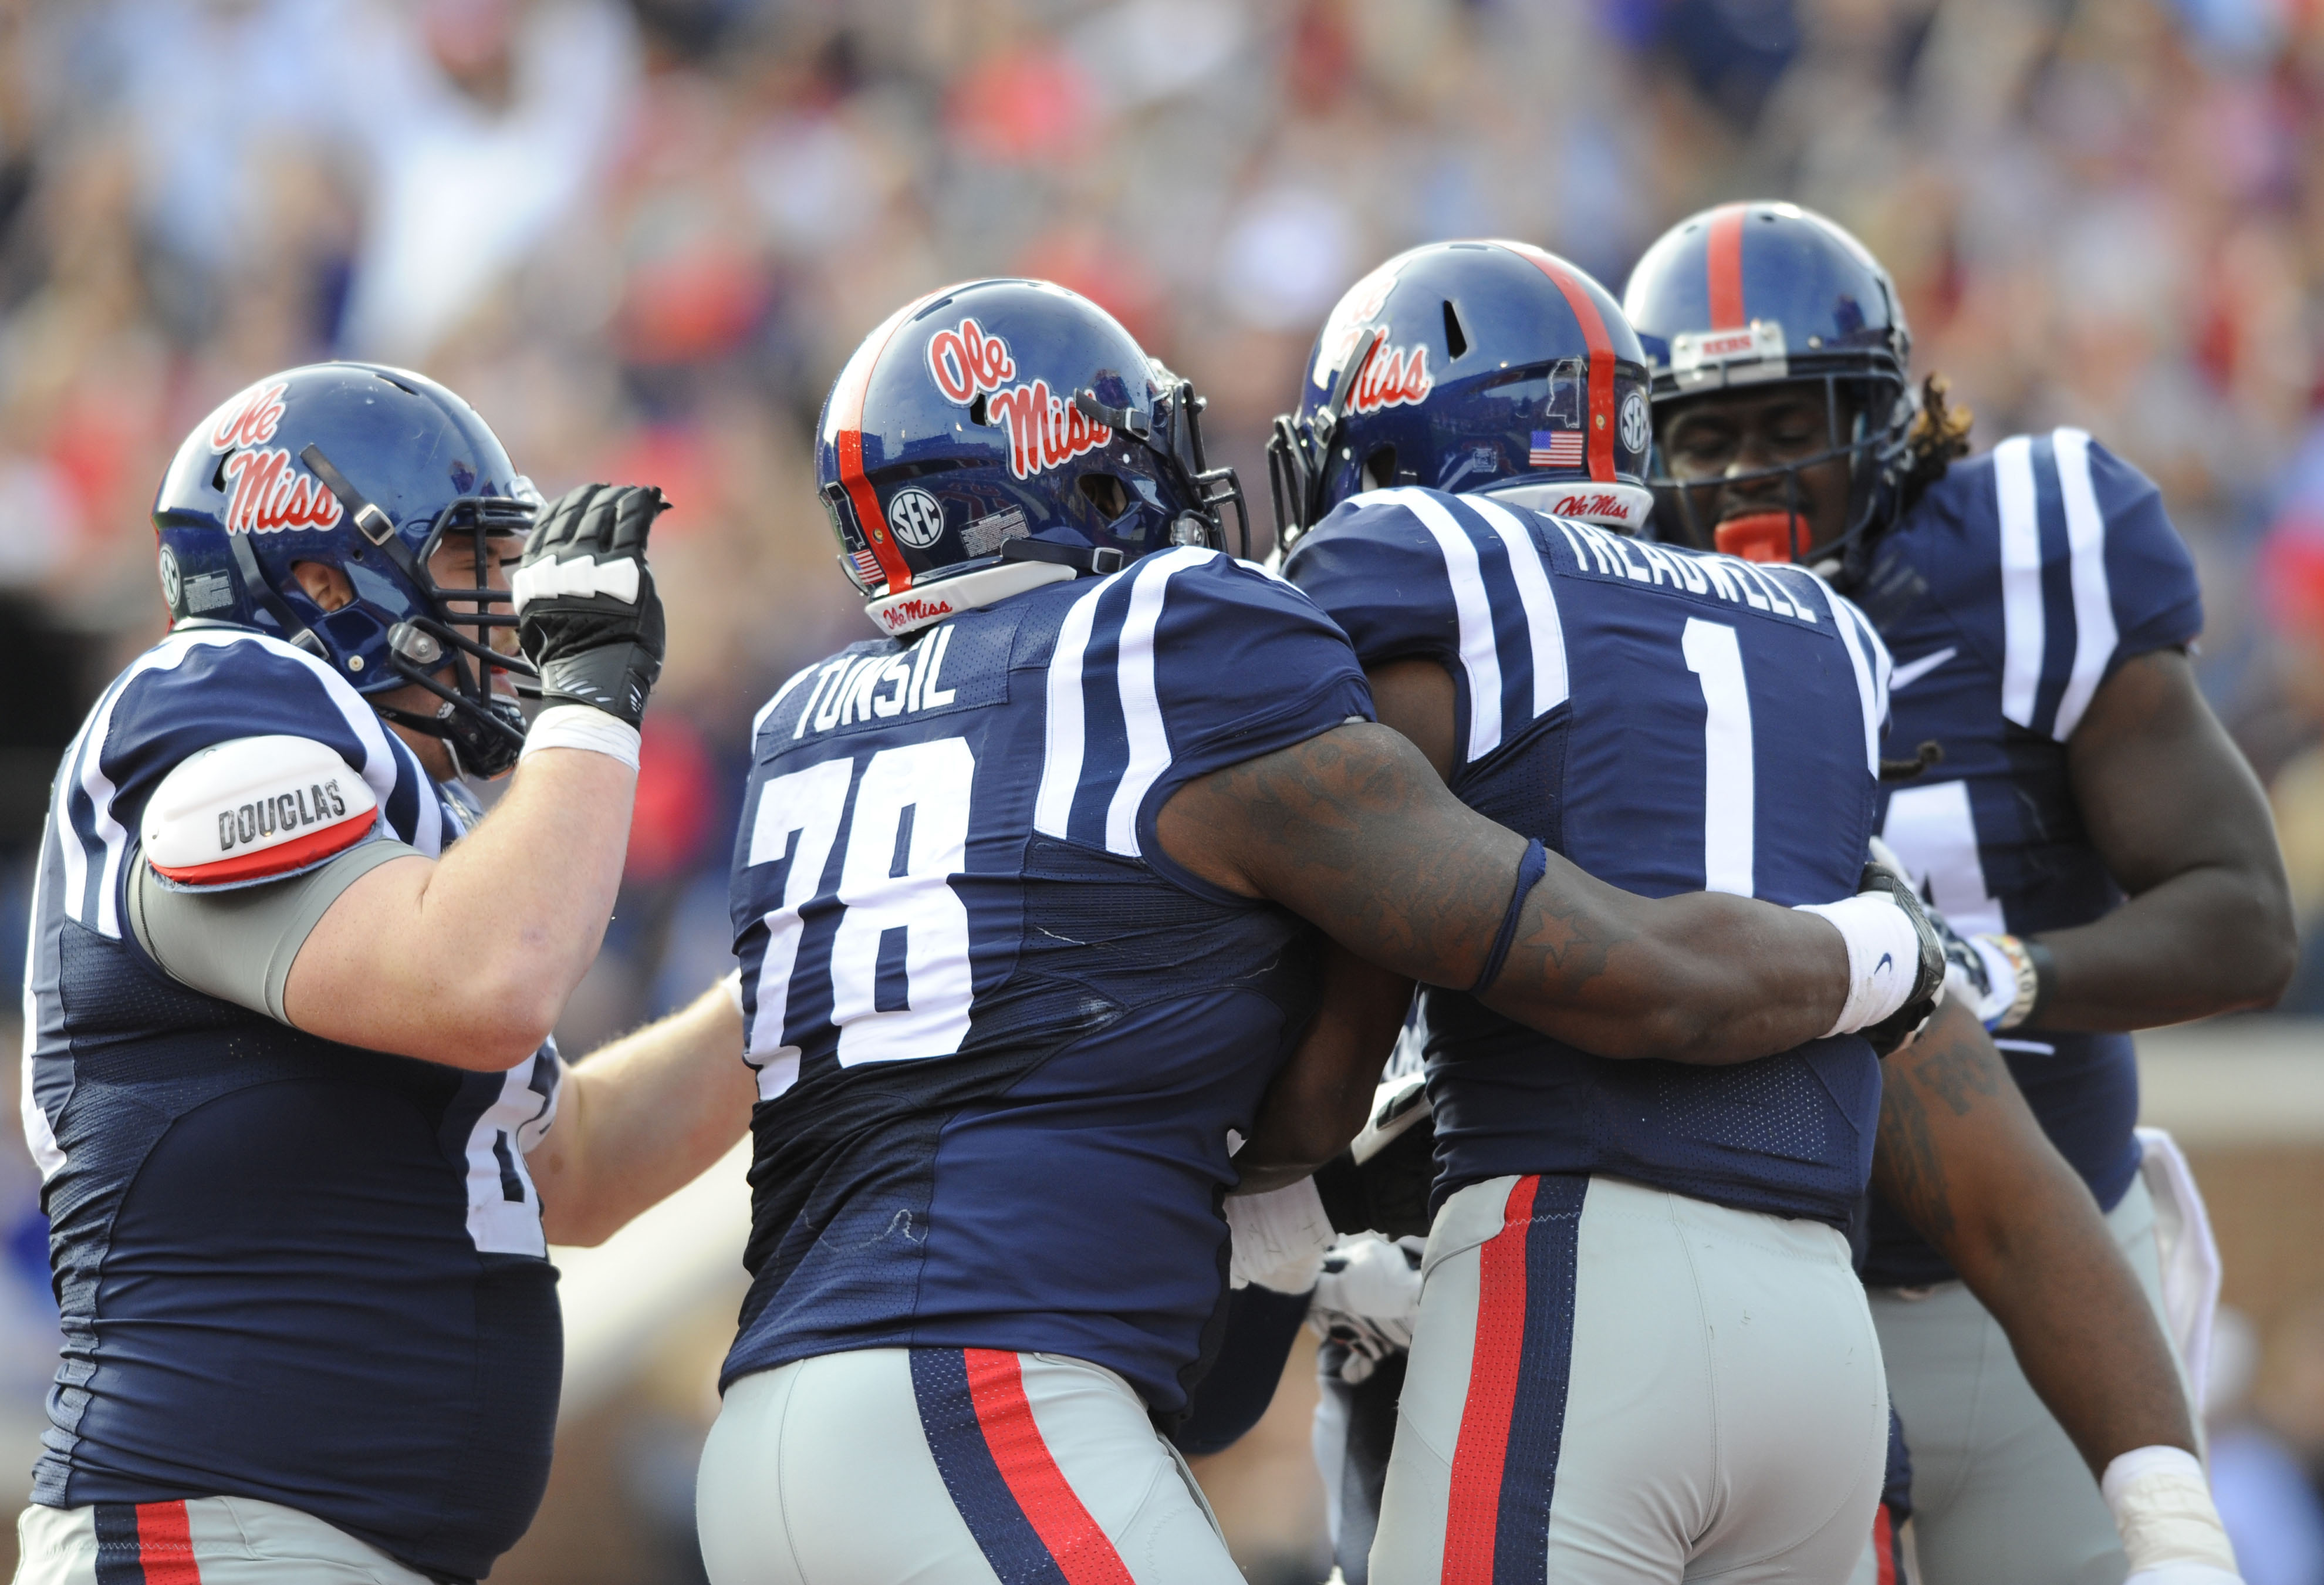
{"x": 1473, "y": 1516}
{"x": 996, "y": 1384}
{"x": 165, "y": 1545}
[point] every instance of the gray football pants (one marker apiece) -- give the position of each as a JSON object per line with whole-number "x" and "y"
{"x": 196, "y": 1541}
{"x": 1999, "y": 1494}
{"x": 943, "y": 1466}
{"x": 1611, "y": 1385}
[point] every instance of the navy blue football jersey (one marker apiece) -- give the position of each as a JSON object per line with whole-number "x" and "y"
{"x": 1671, "y": 722}
{"x": 1000, "y": 1037}
{"x": 2008, "y": 594}
{"x": 284, "y": 1268}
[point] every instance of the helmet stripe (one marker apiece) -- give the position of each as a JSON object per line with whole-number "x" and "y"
{"x": 1601, "y": 356}
{"x": 846, "y": 432}
{"x": 1725, "y": 257}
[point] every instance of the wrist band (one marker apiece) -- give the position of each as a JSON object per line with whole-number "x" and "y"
{"x": 2162, "y": 1510}
{"x": 581, "y": 726}
{"x": 2037, "y": 976}
{"x": 1530, "y": 869}
{"x": 1884, "y": 955}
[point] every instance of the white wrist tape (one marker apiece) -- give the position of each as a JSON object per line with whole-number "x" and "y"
{"x": 1884, "y": 955}
{"x": 1279, "y": 1237}
{"x": 2162, "y": 1510}
{"x": 578, "y": 726}
{"x": 731, "y": 982}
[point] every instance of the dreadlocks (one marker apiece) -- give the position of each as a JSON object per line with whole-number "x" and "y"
{"x": 1939, "y": 434}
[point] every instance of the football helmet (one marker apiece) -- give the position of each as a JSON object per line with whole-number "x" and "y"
{"x": 1470, "y": 367}
{"x": 368, "y": 469}
{"x": 993, "y": 436}
{"x": 1753, "y": 293}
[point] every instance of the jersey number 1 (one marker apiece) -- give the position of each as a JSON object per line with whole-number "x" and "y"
{"x": 905, "y": 837}
{"x": 1729, "y": 809}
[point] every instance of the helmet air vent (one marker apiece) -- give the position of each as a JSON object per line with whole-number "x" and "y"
{"x": 1455, "y": 342}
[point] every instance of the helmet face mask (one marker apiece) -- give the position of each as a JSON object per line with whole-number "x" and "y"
{"x": 1472, "y": 367}
{"x": 1750, "y": 298}
{"x": 1001, "y": 422}
{"x": 369, "y": 470}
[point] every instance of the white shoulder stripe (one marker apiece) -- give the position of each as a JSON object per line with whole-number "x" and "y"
{"x": 1479, "y": 657}
{"x": 1544, "y": 627}
{"x": 2094, "y": 629}
{"x": 1868, "y": 658}
{"x": 1061, "y": 756}
{"x": 2021, "y": 578}
{"x": 1141, "y": 709}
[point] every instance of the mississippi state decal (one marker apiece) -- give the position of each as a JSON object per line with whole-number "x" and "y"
{"x": 1044, "y": 428}
{"x": 268, "y": 493}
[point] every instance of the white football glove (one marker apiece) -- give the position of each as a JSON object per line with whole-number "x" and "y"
{"x": 1367, "y": 1300}
{"x": 1279, "y": 1237}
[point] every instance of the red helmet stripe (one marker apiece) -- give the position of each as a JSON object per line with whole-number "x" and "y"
{"x": 1600, "y": 418}
{"x": 847, "y": 423}
{"x": 1726, "y": 266}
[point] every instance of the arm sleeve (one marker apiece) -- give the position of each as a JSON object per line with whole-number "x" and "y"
{"x": 238, "y": 945}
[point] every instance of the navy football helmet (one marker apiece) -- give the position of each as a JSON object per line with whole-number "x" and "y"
{"x": 999, "y": 434}
{"x": 365, "y": 468}
{"x": 1470, "y": 367}
{"x": 1753, "y": 293}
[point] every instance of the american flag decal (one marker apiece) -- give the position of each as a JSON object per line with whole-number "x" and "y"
{"x": 868, "y": 565}
{"x": 1555, "y": 449}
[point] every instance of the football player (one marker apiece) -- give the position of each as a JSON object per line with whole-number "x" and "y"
{"x": 2083, "y": 817}
{"x": 288, "y": 1073}
{"x": 1672, "y": 1372}
{"x": 1018, "y": 896}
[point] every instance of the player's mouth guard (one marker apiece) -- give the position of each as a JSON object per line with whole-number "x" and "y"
{"x": 1762, "y": 536}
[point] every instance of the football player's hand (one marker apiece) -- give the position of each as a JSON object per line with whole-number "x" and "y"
{"x": 586, "y": 611}
{"x": 1367, "y": 1300}
{"x": 1278, "y": 1238}
{"x": 1895, "y": 1031}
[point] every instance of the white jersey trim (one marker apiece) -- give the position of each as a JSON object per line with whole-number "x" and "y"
{"x": 1061, "y": 756}
{"x": 2094, "y": 629}
{"x": 1478, "y": 656}
{"x": 1141, "y": 707}
{"x": 2021, "y": 578}
{"x": 1545, "y": 628}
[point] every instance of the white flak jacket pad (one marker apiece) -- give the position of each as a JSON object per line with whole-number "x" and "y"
{"x": 581, "y": 577}
{"x": 255, "y": 809}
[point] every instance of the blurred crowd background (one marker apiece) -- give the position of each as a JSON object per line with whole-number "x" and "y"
{"x": 641, "y": 236}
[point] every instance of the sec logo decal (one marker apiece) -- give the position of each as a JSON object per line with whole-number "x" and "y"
{"x": 916, "y": 517}
{"x": 174, "y": 592}
{"x": 1634, "y": 422}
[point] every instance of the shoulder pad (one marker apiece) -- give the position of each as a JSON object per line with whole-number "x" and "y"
{"x": 254, "y": 809}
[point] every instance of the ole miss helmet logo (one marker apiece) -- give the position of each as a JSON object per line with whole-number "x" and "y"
{"x": 1044, "y": 428}
{"x": 268, "y": 493}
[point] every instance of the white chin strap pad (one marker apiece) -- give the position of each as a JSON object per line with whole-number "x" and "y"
{"x": 581, "y": 577}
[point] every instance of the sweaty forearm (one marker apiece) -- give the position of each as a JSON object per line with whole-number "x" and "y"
{"x": 642, "y": 1119}
{"x": 1319, "y": 1101}
{"x": 2202, "y": 942}
{"x": 1961, "y": 1158}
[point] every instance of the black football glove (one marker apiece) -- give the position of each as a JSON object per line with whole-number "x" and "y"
{"x": 1928, "y": 981}
{"x": 586, "y": 611}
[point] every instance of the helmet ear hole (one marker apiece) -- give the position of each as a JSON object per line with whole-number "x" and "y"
{"x": 1104, "y": 492}
{"x": 1380, "y": 467}
{"x": 976, "y": 411}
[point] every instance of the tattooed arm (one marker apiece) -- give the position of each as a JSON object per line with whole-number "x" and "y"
{"x": 1319, "y": 1102}
{"x": 1355, "y": 831}
{"x": 1962, "y": 1159}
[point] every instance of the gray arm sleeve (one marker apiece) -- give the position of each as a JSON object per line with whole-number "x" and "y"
{"x": 238, "y": 946}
